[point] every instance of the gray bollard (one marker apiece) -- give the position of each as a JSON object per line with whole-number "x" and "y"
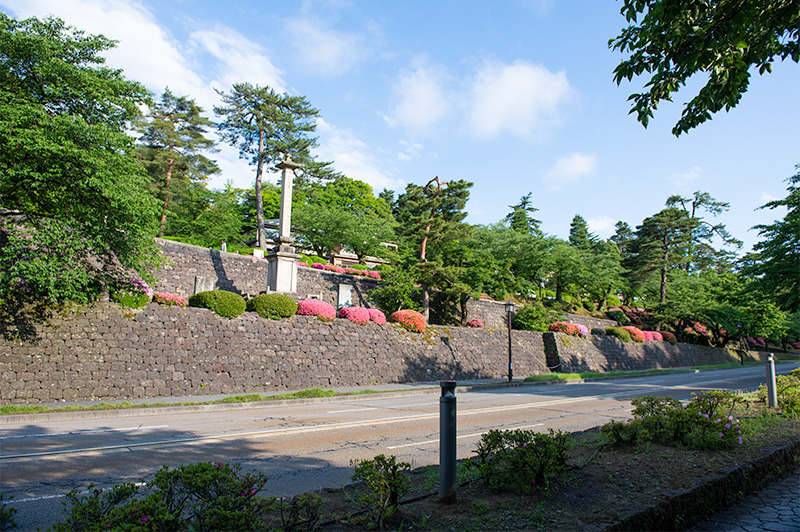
{"x": 772, "y": 387}
{"x": 447, "y": 442}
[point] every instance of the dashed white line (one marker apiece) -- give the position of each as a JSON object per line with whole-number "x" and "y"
{"x": 81, "y": 432}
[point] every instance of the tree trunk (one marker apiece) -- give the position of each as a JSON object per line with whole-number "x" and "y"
{"x": 426, "y": 302}
{"x": 259, "y": 199}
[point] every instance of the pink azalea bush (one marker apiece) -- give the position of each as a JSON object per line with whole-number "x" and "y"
{"x": 410, "y": 319}
{"x": 377, "y": 316}
{"x": 657, "y": 336}
{"x": 636, "y": 334}
{"x": 358, "y": 315}
{"x": 303, "y": 264}
{"x": 315, "y": 307}
{"x": 569, "y": 328}
{"x": 349, "y": 271}
{"x": 165, "y": 298}
{"x": 318, "y": 266}
{"x": 648, "y": 336}
{"x": 475, "y": 322}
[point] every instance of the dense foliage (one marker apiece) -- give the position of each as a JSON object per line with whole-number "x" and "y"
{"x": 272, "y": 306}
{"x": 220, "y": 302}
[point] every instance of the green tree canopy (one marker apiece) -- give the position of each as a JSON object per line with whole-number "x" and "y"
{"x": 75, "y": 211}
{"x": 672, "y": 40}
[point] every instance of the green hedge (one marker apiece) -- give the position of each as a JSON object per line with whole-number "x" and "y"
{"x": 273, "y": 306}
{"x": 619, "y": 332}
{"x": 220, "y": 302}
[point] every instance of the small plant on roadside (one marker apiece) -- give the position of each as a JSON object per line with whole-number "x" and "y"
{"x": 299, "y": 513}
{"x": 165, "y": 298}
{"x": 410, "y": 319}
{"x": 7, "y": 521}
{"x": 382, "y": 482}
{"x": 520, "y": 459}
{"x": 316, "y": 307}
{"x": 273, "y": 306}
{"x": 220, "y": 302}
{"x": 788, "y": 391}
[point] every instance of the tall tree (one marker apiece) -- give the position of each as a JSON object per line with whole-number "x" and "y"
{"x": 776, "y": 262}
{"x": 171, "y": 143}
{"x": 622, "y": 238}
{"x": 74, "y": 206}
{"x": 267, "y": 127}
{"x": 579, "y": 235}
{"x": 431, "y": 215}
{"x": 520, "y": 219}
{"x": 700, "y": 253}
{"x": 659, "y": 243}
{"x": 676, "y": 39}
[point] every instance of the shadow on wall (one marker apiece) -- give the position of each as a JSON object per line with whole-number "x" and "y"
{"x": 424, "y": 368}
{"x": 223, "y": 282}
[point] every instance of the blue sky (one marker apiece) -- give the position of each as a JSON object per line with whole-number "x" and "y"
{"x": 514, "y": 96}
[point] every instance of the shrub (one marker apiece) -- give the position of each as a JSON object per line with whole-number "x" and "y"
{"x": 311, "y": 259}
{"x": 657, "y": 336}
{"x": 533, "y": 317}
{"x": 315, "y": 307}
{"x": 165, "y": 298}
{"x": 273, "y": 306}
{"x": 669, "y": 337}
{"x": 358, "y": 315}
{"x": 201, "y": 496}
{"x": 382, "y": 482}
{"x": 520, "y": 459}
{"x": 377, "y": 316}
{"x": 636, "y": 334}
{"x": 220, "y": 302}
{"x": 569, "y": 328}
{"x": 475, "y": 322}
{"x": 131, "y": 292}
{"x": 788, "y": 389}
{"x": 410, "y": 319}
{"x": 613, "y": 301}
{"x": 598, "y": 331}
{"x": 616, "y": 314}
{"x": 618, "y": 332}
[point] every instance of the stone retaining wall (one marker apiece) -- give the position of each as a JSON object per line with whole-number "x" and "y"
{"x": 109, "y": 353}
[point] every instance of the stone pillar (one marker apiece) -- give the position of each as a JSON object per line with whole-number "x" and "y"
{"x": 282, "y": 260}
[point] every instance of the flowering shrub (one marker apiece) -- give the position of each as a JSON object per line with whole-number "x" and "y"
{"x": 318, "y": 266}
{"x": 761, "y": 341}
{"x": 475, "y": 322}
{"x": 377, "y": 316}
{"x": 569, "y": 328}
{"x": 131, "y": 292}
{"x": 303, "y": 264}
{"x": 350, "y": 271}
{"x": 315, "y": 307}
{"x": 669, "y": 337}
{"x": 165, "y": 298}
{"x": 656, "y": 336}
{"x": 636, "y": 334}
{"x": 648, "y": 336}
{"x": 635, "y": 315}
{"x": 410, "y": 319}
{"x": 358, "y": 315}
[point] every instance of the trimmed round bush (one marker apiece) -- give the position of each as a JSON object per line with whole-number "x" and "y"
{"x": 657, "y": 336}
{"x": 220, "y": 302}
{"x": 166, "y": 298}
{"x": 618, "y": 332}
{"x": 598, "y": 331}
{"x": 636, "y": 334}
{"x": 358, "y": 315}
{"x": 475, "y": 322}
{"x": 377, "y": 316}
{"x": 669, "y": 337}
{"x": 410, "y": 319}
{"x": 315, "y": 307}
{"x": 273, "y": 306}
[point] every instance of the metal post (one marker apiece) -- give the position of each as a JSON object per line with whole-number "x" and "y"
{"x": 447, "y": 442}
{"x": 772, "y": 387}
{"x": 510, "y": 364}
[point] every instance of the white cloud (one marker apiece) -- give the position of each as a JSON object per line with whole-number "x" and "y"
{"x": 602, "y": 226}
{"x": 521, "y": 99}
{"x": 421, "y": 98}
{"x": 351, "y": 157}
{"x": 685, "y": 182}
{"x": 326, "y": 51}
{"x": 410, "y": 151}
{"x": 766, "y": 198}
{"x": 570, "y": 169}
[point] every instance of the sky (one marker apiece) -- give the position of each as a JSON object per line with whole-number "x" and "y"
{"x": 515, "y": 96}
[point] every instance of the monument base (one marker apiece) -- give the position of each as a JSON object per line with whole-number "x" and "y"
{"x": 282, "y": 273}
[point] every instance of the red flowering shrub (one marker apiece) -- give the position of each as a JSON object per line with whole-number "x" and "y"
{"x": 634, "y": 315}
{"x": 358, "y": 315}
{"x": 315, "y": 307}
{"x": 475, "y": 322}
{"x": 318, "y": 266}
{"x": 636, "y": 334}
{"x": 669, "y": 337}
{"x": 761, "y": 341}
{"x": 303, "y": 264}
{"x": 377, "y": 316}
{"x": 165, "y": 298}
{"x": 410, "y": 319}
{"x": 657, "y": 336}
{"x": 648, "y": 336}
{"x": 569, "y": 328}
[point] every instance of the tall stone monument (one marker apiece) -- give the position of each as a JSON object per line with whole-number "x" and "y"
{"x": 282, "y": 260}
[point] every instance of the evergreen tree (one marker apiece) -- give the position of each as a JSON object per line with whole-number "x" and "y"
{"x": 520, "y": 219}
{"x": 171, "y": 143}
{"x": 579, "y": 235}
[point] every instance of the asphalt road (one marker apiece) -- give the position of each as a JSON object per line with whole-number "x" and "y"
{"x": 304, "y": 447}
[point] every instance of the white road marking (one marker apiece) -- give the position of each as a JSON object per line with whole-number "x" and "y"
{"x": 352, "y": 410}
{"x": 80, "y": 432}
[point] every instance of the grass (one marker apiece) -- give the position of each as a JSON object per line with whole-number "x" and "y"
{"x": 594, "y": 375}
